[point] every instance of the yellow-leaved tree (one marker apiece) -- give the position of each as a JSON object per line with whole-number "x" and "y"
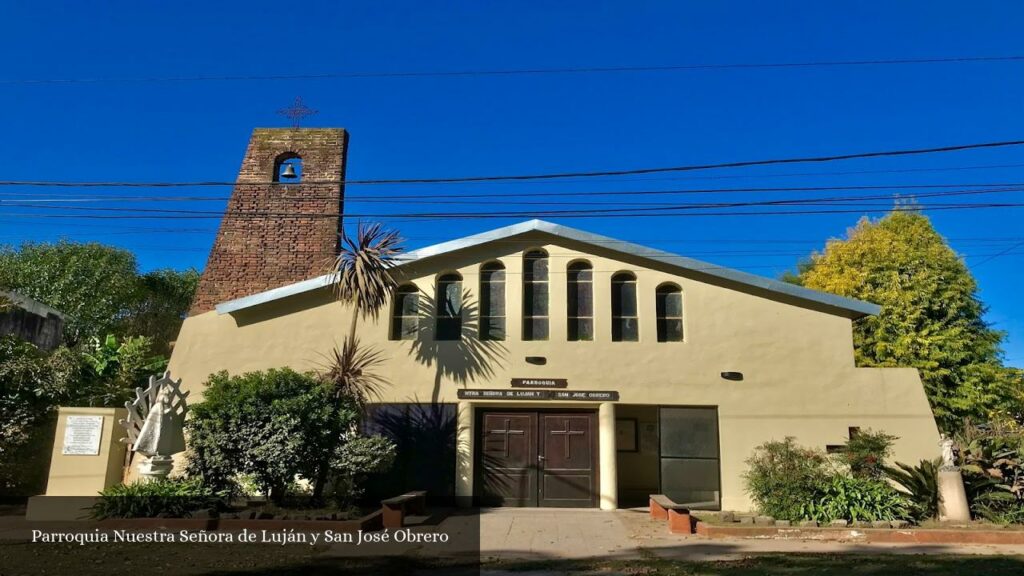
{"x": 931, "y": 318}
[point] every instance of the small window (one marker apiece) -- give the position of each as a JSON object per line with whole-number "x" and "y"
{"x": 449, "y": 307}
{"x": 669, "y": 304}
{"x": 492, "y": 301}
{"x": 405, "y": 317}
{"x": 624, "y": 318}
{"x": 535, "y": 295}
{"x": 581, "y": 301}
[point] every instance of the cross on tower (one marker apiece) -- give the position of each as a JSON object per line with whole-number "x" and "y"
{"x": 507, "y": 432}
{"x": 297, "y": 111}
{"x": 567, "y": 433}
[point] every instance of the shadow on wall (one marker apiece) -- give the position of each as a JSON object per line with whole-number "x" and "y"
{"x": 425, "y": 436}
{"x": 462, "y": 360}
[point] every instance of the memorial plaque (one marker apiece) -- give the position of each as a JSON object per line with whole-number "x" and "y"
{"x": 82, "y": 435}
{"x": 562, "y": 395}
{"x": 540, "y": 383}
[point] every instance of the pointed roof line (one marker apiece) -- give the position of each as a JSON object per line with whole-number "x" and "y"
{"x": 841, "y": 305}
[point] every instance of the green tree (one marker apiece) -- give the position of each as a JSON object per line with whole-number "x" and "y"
{"x": 163, "y": 297}
{"x": 93, "y": 284}
{"x": 116, "y": 368}
{"x": 273, "y": 425}
{"x": 32, "y": 385}
{"x": 931, "y": 316}
{"x": 100, "y": 289}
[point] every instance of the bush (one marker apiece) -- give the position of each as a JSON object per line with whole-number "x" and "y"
{"x": 272, "y": 425}
{"x": 852, "y": 498}
{"x": 865, "y": 453}
{"x": 169, "y": 498}
{"x": 356, "y": 459}
{"x": 784, "y": 477}
{"x": 32, "y": 385}
{"x": 920, "y": 485}
{"x": 993, "y": 471}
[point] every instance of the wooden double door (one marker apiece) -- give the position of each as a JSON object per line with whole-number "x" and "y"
{"x": 537, "y": 458}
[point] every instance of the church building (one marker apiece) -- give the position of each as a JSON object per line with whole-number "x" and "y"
{"x": 558, "y": 367}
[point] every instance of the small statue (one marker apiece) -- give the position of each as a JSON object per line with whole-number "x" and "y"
{"x": 155, "y": 425}
{"x": 948, "y": 457}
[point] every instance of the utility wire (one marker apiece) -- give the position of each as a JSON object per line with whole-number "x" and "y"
{"x": 550, "y": 213}
{"x": 519, "y": 71}
{"x": 548, "y": 176}
{"x": 8, "y": 198}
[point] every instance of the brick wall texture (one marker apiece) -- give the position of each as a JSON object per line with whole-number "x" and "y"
{"x": 274, "y": 234}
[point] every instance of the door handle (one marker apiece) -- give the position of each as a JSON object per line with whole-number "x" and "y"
{"x": 540, "y": 460}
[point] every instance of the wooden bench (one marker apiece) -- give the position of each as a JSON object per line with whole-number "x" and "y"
{"x": 396, "y": 509}
{"x": 678, "y": 515}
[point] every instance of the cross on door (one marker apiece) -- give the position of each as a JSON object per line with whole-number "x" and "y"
{"x": 507, "y": 432}
{"x": 567, "y": 433}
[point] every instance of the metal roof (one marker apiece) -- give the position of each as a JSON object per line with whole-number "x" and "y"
{"x": 843, "y": 306}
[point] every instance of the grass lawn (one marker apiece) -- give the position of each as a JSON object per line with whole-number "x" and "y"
{"x": 20, "y": 558}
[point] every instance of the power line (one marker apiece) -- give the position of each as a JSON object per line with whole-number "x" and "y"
{"x": 631, "y": 209}
{"x": 547, "y": 176}
{"x": 520, "y": 71}
{"x": 8, "y": 198}
{"x": 436, "y": 216}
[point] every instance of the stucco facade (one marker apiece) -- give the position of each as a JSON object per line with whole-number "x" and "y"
{"x": 795, "y": 356}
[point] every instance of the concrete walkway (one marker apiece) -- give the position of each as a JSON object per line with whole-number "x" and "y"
{"x": 546, "y": 534}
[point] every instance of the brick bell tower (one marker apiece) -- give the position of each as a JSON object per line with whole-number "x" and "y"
{"x": 283, "y": 220}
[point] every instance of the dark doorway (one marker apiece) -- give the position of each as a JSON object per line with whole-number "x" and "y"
{"x": 537, "y": 458}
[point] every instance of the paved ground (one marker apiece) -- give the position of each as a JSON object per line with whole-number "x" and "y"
{"x": 539, "y": 533}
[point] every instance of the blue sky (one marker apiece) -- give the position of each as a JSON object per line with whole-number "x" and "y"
{"x": 445, "y": 126}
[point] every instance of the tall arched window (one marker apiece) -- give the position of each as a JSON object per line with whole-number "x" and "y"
{"x": 492, "y": 301}
{"x": 669, "y": 304}
{"x": 624, "y": 320}
{"x": 580, "y": 291}
{"x": 535, "y": 295}
{"x": 449, "y": 307}
{"x": 405, "y": 314}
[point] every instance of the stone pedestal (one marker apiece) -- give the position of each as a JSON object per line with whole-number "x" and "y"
{"x": 156, "y": 468}
{"x": 952, "y": 496}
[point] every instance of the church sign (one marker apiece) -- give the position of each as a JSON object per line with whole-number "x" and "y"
{"x": 540, "y": 383}
{"x": 562, "y": 395}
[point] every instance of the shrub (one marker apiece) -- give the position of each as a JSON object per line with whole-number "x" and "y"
{"x": 272, "y": 425}
{"x": 783, "y": 477}
{"x": 171, "y": 498}
{"x": 993, "y": 471}
{"x": 920, "y": 485}
{"x": 356, "y": 459}
{"x": 32, "y": 385}
{"x": 865, "y": 453}
{"x": 853, "y": 498}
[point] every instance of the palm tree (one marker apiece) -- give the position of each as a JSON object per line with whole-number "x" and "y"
{"x": 361, "y": 276}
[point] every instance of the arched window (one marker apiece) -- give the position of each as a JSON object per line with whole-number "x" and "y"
{"x": 405, "y": 314}
{"x": 669, "y": 304}
{"x": 449, "y": 307}
{"x": 580, "y": 291}
{"x": 288, "y": 168}
{"x": 535, "y": 295}
{"x": 492, "y": 301}
{"x": 624, "y": 320}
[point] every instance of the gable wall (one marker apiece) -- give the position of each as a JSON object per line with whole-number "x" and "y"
{"x": 799, "y": 374}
